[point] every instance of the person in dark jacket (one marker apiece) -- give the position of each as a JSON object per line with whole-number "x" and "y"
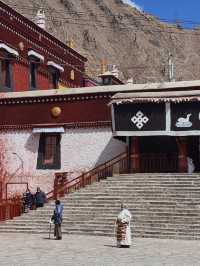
{"x": 40, "y": 198}
{"x": 27, "y": 201}
{"x": 57, "y": 219}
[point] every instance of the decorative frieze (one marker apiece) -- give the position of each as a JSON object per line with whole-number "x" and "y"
{"x": 95, "y": 124}
{"x": 52, "y": 99}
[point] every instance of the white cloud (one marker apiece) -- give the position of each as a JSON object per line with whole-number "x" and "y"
{"x": 132, "y": 3}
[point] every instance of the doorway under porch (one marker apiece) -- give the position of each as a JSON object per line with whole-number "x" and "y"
{"x": 163, "y": 154}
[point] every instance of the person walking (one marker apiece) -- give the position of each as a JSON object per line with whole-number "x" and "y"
{"x": 40, "y": 198}
{"x": 123, "y": 231}
{"x": 57, "y": 219}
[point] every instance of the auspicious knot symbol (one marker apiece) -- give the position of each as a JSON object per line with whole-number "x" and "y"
{"x": 139, "y": 119}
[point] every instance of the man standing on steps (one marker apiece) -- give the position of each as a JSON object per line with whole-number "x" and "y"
{"x": 57, "y": 219}
{"x": 123, "y": 231}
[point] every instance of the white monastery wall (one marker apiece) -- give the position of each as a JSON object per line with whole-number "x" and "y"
{"x": 81, "y": 150}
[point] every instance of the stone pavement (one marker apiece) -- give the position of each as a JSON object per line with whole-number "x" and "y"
{"x": 36, "y": 250}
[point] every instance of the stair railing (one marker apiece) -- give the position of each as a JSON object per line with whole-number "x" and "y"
{"x": 1, "y": 190}
{"x": 10, "y": 209}
{"x": 117, "y": 165}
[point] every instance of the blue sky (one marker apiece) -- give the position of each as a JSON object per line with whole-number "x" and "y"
{"x": 171, "y": 9}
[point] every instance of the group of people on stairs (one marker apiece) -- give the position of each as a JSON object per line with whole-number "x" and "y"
{"x": 33, "y": 201}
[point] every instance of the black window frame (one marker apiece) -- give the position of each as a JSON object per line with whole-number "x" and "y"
{"x": 6, "y": 85}
{"x": 33, "y": 75}
{"x": 54, "y": 76}
{"x": 56, "y": 164}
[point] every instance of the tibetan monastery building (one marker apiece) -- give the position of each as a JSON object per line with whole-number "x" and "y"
{"x": 73, "y": 130}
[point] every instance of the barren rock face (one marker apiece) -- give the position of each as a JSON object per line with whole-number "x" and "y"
{"x": 137, "y": 43}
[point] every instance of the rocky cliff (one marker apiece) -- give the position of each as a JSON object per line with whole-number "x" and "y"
{"x": 137, "y": 43}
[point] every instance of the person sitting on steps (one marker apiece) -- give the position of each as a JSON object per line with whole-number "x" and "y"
{"x": 40, "y": 198}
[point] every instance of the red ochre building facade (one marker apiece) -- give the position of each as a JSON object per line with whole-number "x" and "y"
{"x": 31, "y": 58}
{"x": 48, "y": 121}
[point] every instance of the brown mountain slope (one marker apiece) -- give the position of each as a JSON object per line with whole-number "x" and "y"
{"x": 137, "y": 43}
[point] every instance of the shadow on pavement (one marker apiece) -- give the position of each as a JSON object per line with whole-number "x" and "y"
{"x": 47, "y": 238}
{"x": 110, "y": 246}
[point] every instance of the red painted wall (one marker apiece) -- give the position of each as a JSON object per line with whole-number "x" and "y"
{"x": 20, "y": 77}
{"x": 42, "y": 81}
{"x": 40, "y": 113}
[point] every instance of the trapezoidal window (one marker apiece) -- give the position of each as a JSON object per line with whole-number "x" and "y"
{"x": 54, "y": 76}
{"x": 5, "y": 75}
{"x": 49, "y": 151}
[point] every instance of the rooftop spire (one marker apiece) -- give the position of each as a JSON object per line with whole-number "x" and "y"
{"x": 41, "y": 19}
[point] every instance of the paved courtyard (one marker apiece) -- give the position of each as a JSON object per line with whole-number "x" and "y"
{"x": 35, "y": 250}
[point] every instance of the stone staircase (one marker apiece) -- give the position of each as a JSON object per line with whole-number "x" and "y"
{"x": 162, "y": 205}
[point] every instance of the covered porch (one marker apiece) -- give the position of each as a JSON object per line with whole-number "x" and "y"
{"x": 163, "y": 154}
{"x": 162, "y": 130}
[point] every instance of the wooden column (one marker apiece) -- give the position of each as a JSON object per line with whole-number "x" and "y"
{"x": 182, "y": 154}
{"x": 128, "y": 150}
{"x": 135, "y": 155}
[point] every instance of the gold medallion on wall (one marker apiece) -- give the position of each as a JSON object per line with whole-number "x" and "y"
{"x": 56, "y": 111}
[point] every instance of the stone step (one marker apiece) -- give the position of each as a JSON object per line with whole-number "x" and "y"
{"x": 135, "y": 205}
{"x": 138, "y": 214}
{"x": 141, "y": 188}
{"x": 110, "y": 232}
{"x": 99, "y": 233}
{"x": 141, "y": 218}
{"x": 145, "y": 183}
{"x": 133, "y": 198}
{"x": 133, "y": 182}
{"x": 102, "y": 219}
{"x": 105, "y": 222}
{"x": 94, "y": 224}
{"x": 117, "y": 195}
{"x": 134, "y": 208}
{"x": 110, "y": 228}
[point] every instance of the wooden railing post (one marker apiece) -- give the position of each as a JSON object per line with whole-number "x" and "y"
{"x": 83, "y": 180}
{"x": 1, "y": 191}
{"x": 55, "y": 190}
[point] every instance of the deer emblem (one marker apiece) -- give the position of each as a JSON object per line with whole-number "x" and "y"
{"x": 184, "y": 121}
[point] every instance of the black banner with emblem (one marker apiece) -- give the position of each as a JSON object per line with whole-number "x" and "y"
{"x": 185, "y": 116}
{"x": 140, "y": 117}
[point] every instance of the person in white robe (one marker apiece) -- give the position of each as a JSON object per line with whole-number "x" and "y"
{"x": 123, "y": 229}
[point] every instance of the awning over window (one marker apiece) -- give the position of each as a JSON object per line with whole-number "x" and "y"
{"x": 9, "y": 49}
{"x": 53, "y": 64}
{"x": 48, "y": 130}
{"x": 37, "y": 55}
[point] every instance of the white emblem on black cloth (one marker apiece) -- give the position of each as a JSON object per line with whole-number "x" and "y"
{"x": 139, "y": 119}
{"x": 184, "y": 121}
